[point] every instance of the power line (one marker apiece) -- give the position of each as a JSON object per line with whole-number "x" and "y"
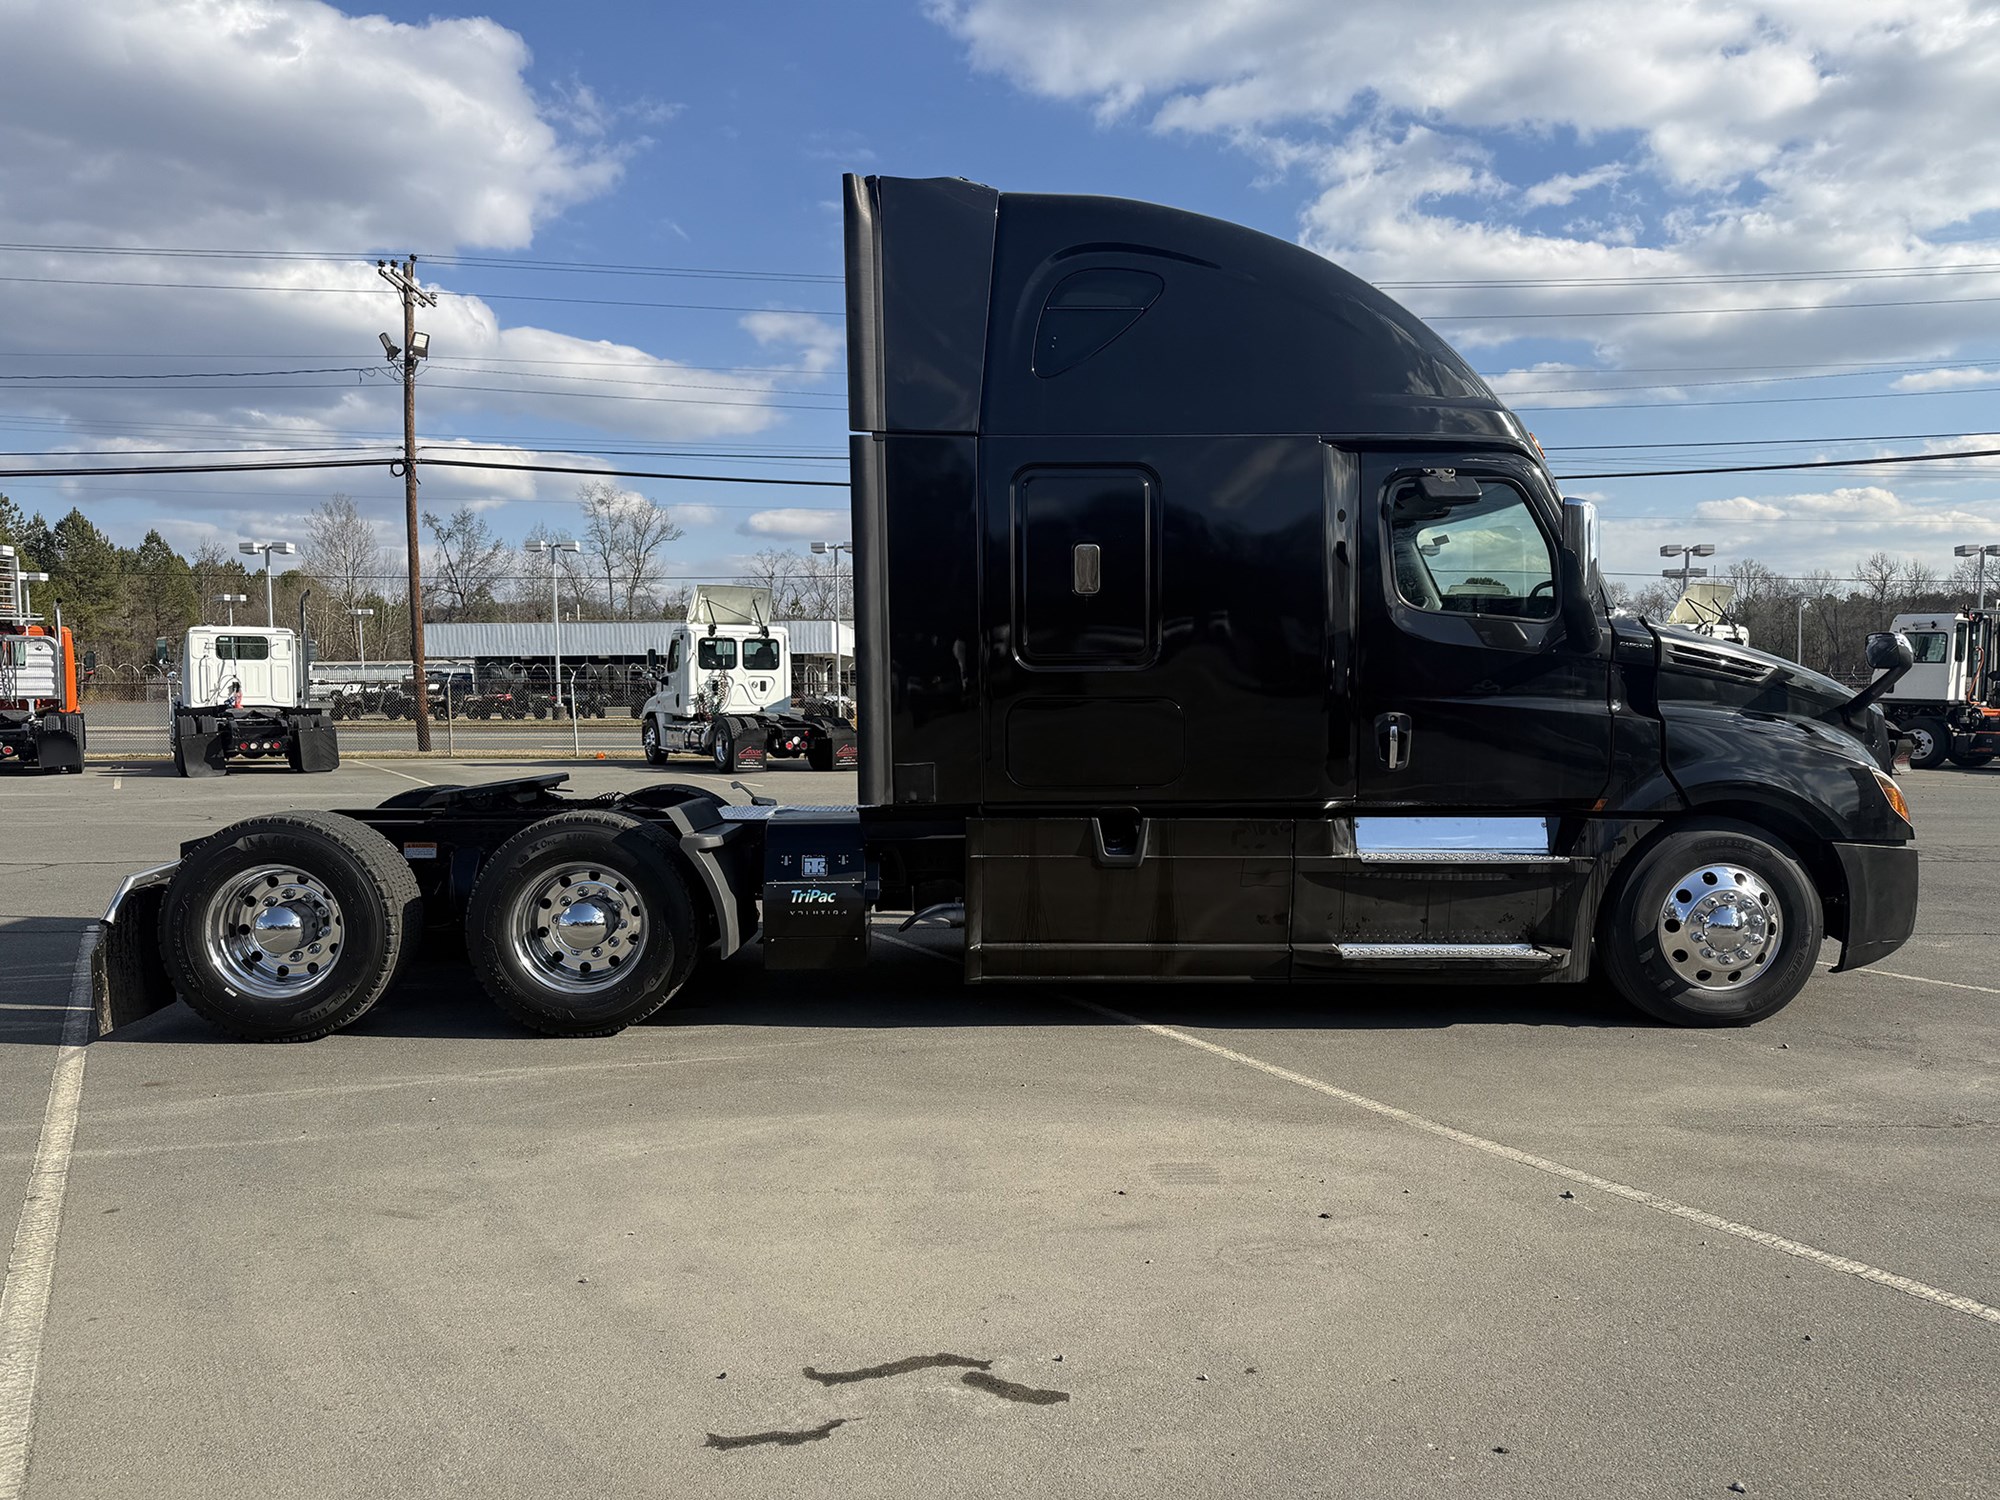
{"x": 1828, "y": 463}
{"x": 369, "y": 291}
{"x": 461, "y": 463}
{"x": 522, "y": 263}
{"x": 317, "y": 463}
{"x": 1701, "y": 312}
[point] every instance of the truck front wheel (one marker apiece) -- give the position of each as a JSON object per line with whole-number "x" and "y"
{"x": 649, "y": 740}
{"x": 1712, "y": 926}
{"x": 581, "y": 924}
{"x": 1930, "y": 744}
{"x": 287, "y": 927}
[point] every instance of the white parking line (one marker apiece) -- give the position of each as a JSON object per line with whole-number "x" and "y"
{"x": 1950, "y": 984}
{"x": 24, "y": 1298}
{"x": 387, "y": 772}
{"x": 1764, "y": 1237}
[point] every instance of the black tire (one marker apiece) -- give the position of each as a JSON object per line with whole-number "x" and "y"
{"x": 633, "y": 863}
{"x": 375, "y": 897}
{"x": 722, "y": 747}
{"x": 1632, "y": 928}
{"x": 1933, "y": 744}
{"x": 650, "y": 741}
{"x": 819, "y": 753}
{"x": 1971, "y": 760}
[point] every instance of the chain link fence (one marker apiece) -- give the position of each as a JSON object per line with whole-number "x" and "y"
{"x": 128, "y": 710}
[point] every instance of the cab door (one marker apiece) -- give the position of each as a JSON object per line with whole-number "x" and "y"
{"x": 1468, "y": 696}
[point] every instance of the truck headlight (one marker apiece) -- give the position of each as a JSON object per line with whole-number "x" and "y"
{"x": 1894, "y": 795}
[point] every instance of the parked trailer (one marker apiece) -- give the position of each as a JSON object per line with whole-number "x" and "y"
{"x": 242, "y": 697}
{"x": 1949, "y": 701}
{"x": 1215, "y": 621}
{"x": 40, "y": 722}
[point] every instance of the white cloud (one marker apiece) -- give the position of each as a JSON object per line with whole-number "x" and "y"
{"x": 1861, "y": 509}
{"x": 1566, "y": 187}
{"x": 828, "y": 524}
{"x": 1797, "y": 133}
{"x": 1945, "y": 380}
{"x": 288, "y": 125}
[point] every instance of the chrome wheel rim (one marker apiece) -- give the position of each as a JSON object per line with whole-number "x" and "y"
{"x": 274, "y": 932}
{"x": 720, "y": 747}
{"x": 578, "y": 928}
{"x": 1719, "y": 927}
{"x": 650, "y": 737}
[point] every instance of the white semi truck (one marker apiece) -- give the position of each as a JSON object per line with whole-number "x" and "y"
{"x": 242, "y": 695}
{"x": 1945, "y": 702}
{"x": 725, "y": 690}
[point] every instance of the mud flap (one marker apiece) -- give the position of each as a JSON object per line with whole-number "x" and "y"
{"x": 750, "y": 733}
{"x": 315, "y": 744}
{"x": 59, "y": 743}
{"x": 201, "y": 747}
{"x": 128, "y": 978}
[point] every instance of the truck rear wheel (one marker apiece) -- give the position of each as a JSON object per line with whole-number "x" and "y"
{"x": 287, "y": 927}
{"x": 581, "y": 924}
{"x": 722, "y": 746}
{"x": 1712, "y": 926}
{"x": 1930, "y": 744}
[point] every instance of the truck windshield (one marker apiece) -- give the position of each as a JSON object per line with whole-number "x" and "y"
{"x": 716, "y": 653}
{"x": 1485, "y": 556}
{"x": 1928, "y": 646}
{"x": 760, "y": 654}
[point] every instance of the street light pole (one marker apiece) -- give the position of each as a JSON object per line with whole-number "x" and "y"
{"x": 232, "y": 600}
{"x": 361, "y": 616}
{"x": 1687, "y": 552}
{"x": 283, "y": 549}
{"x": 1982, "y": 552}
{"x": 555, "y": 614}
{"x": 1799, "y": 650}
{"x": 835, "y": 549}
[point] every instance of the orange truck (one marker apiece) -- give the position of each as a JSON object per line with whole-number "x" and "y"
{"x": 40, "y": 724}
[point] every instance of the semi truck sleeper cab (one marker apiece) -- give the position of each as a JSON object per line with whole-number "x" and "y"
{"x": 1215, "y": 621}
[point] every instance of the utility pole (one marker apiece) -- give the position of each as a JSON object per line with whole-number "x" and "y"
{"x": 415, "y": 346}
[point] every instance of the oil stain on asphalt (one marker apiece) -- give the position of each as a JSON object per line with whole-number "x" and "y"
{"x": 895, "y": 1367}
{"x": 781, "y": 1439}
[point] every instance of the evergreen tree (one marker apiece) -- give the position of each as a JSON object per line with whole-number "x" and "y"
{"x": 162, "y": 593}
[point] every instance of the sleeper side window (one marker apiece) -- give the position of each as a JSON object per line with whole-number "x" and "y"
{"x": 1482, "y": 555}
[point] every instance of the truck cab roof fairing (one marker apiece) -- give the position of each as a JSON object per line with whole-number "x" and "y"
{"x": 974, "y": 311}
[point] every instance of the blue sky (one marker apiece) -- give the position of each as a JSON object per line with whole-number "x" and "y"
{"x": 1624, "y": 180}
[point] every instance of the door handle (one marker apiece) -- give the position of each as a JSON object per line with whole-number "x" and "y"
{"x": 1393, "y": 735}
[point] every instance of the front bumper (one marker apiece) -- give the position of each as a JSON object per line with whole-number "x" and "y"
{"x": 1881, "y": 900}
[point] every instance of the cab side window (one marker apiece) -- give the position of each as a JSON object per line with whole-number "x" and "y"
{"x": 760, "y": 654}
{"x": 1927, "y": 647}
{"x": 1483, "y": 556}
{"x": 716, "y": 653}
{"x": 674, "y": 656}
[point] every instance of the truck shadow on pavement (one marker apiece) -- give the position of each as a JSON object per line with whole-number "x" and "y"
{"x": 912, "y": 990}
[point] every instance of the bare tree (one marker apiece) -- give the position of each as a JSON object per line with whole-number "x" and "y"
{"x": 783, "y": 572}
{"x": 467, "y": 565}
{"x": 342, "y": 553}
{"x": 623, "y": 532}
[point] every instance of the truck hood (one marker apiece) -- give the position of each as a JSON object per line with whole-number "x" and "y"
{"x": 1696, "y": 670}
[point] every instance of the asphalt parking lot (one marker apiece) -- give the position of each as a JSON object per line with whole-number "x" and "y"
{"x": 908, "y": 1238}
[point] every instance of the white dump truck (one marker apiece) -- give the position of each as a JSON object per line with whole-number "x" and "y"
{"x": 242, "y": 695}
{"x": 725, "y": 690}
{"x": 1945, "y": 703}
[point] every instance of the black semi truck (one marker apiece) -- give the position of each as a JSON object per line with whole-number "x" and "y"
{"x": 1215, "y": 622}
